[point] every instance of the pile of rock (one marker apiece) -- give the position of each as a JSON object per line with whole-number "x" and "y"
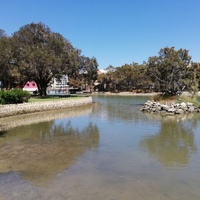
{"x": 170, "y": 108}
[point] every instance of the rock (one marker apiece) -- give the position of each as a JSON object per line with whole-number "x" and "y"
{"x": 16, "y": 109}
{"x": 183, "y": 105}
{"x": 179, "y": 111}
{"x": 189, "y": 104}
{"x": 170, "y": 108}
{"x": 149, "y": 103}
{"x": 165, "y": 107}
{"x": 191, "y": 109}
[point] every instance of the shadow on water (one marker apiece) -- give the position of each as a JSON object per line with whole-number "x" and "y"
{"x": 174, "y": 144}
{"x": 2, "y": 133}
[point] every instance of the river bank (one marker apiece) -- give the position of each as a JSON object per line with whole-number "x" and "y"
{"x": 7, "y": 123}
{"x": 187, "y": 94}
{"x": 19, "y": 109}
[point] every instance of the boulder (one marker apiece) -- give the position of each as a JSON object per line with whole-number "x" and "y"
{"x": 165, "y": 107}
{"x": 169, "y": 108}
{"x": 179, "y": 111}
{"x": 183, "y": 105}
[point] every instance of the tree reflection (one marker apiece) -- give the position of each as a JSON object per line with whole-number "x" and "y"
{"x": 49, "y": 149}
{"x": 174, "y": 143}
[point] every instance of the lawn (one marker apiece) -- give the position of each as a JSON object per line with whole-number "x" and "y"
{"x": 44, "y": 99}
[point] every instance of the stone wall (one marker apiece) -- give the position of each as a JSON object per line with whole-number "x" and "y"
{"x": 18, "y": 109}
{"x": 169, "y": 108}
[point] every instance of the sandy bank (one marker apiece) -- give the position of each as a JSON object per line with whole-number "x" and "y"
{"x": 138, "y": 94}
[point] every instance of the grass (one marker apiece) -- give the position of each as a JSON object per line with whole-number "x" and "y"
{"x": 163, "y": 98}
{"x": 193, "y": 100}
{"x": 44, "y": 99}
{"x": 176, "y": 99}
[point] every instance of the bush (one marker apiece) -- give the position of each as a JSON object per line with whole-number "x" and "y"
{"x": 14, "y": 96}
{"x": 193, "y": 100}
{"x": 164, "y": 97}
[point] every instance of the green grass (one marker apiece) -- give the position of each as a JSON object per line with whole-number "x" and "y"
{"x": 161, "y": 98}
{"x": 44, "y": 99}
{"x": 193, "y": 100}
{"x": 176, "y": 99}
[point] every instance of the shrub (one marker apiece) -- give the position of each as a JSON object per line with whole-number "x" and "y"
{"x": 14, "y": 96}
{"x": 164, "y": 97}
{"x": 193, "y": 100}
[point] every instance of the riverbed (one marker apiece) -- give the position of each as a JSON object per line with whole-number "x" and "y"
{"x": 107, "y": 150}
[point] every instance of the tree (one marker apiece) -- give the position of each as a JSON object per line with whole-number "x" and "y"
{"x": 40, "y": 54}
{"x": 89, "y": 71}
{"x": 193, "y": 82}
{"x": 2, "y": 33}
{"x": 170, "y": 69}
{"x": 7, "y": 70}
{"x": 129, "y": 77}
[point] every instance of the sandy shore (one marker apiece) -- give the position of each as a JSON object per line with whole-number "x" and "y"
{"x": 138, "y": 94}
{"x": 126, "y": 94}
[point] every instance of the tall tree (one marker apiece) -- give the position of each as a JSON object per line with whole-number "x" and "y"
{"x": 40, "y": 53}
{"x": 170, "y": 69}
{"x": 193, "y": 80}
{"x": 2, "y": 33}
{"x": 89, "y": 71}
{"x": 7, "y": 70}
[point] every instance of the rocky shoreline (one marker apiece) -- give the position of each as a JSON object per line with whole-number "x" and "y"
{"x": 170, "y": 108}
{"x": 18, "y": 109}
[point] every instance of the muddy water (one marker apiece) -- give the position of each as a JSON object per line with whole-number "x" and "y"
{"x": 105, "y": 151}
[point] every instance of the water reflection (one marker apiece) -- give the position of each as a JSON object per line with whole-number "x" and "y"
{"x": 174, "y": 143}
{"x": 34, "y": 118}
{"x": 118, "y": 108}
{"x": 45, "y": 150}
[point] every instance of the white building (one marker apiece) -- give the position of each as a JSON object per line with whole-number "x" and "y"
{"x": 58, "y": 85}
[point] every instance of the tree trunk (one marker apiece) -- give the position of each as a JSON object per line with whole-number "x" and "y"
{"x": 42, "y": 87}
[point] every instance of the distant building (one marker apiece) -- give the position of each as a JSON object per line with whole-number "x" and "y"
{"x": 102, "y": 71}
{"x": 60, "y": 85}
{"x": 30, "y": 86}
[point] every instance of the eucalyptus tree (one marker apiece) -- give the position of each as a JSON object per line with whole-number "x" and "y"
{"x": 102, "y": 80}
{"x": 40, "y": 54}
{"x": 124, "y": 77}
{"x": 110, "y": 79}
{"x": 193, "y": 81}
{"x": 170, "y": 69}
{"x": 7, "y": 71}
{"x": 2, "y": 33}
{"x": 89, "y": 71}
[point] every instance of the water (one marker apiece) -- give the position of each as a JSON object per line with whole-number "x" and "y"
{"x": 107, "y": 151}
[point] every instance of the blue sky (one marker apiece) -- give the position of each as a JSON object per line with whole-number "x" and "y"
{"x": 114, "y": 31}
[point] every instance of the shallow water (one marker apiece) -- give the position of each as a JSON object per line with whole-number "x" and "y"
{"x": 107, "y": 151}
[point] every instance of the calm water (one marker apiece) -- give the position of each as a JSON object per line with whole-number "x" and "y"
{"x": 107, "y": 151}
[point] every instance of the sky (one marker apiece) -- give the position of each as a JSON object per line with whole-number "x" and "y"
{"x": 115, "y": 32}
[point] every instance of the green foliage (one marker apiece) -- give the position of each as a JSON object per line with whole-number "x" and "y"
{"x": 170, "y": 69}
{"x": 14, "y": 96}
{"x": 41, "y": 53}
{"x": 193, "y": 100}
{"x": 128, "y": 77}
